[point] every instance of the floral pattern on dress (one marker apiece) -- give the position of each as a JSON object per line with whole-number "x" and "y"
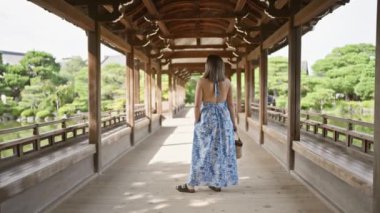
{"x": 213, "y": 153}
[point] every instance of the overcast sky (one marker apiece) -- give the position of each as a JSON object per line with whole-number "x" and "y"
{"x": 25, "y": 26}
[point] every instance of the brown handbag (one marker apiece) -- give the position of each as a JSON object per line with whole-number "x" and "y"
{"x": 239, "y": 146}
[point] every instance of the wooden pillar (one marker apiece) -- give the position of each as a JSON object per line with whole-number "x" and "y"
{"x": 148, "y": 91}
{"x": 263, "y": 91}
{"x": 376, "y": 160}
{"x": 252, "y": 88}
{"x": 170, "y": 76}
{"x": 154, "y": 90}
{"x": 248, "y": 86}
{"x": 94, "y": 88}
{"x": 238, "y": 91}
{"x": 137, "y": 82}
{"x": 130, "y": 85}
{"x": 175, "y": 93}
{"x": 294, "y": 85}
{"x": 159, "y": 92}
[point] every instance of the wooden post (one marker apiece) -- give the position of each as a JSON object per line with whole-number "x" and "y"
{"x": 159, "y": 92}
{"x": 137, "y": 82}
{"x": 248, "y": 86}
{"x": 154, "y": 90}
{"x": 130, "y": 85}
{"x": 94, "y": 119}
{"x": 238, "y": 91}
{"x": 148, "y": 91}
{"x": 263, "y": 91}
{"x": 170, "y": 76}
{"x": 252, "y": 89}
{"x": 175, "y": 93}
{"x": 376, "y": 160}
{"x": 294, "y": 85}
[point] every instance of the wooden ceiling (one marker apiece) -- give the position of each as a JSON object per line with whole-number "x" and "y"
{"x": 172, "y": 29}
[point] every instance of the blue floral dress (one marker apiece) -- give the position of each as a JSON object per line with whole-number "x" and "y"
{"x": 213, "y": 154}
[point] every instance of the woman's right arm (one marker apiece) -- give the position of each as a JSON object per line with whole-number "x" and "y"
{"x": 230, "y": 105}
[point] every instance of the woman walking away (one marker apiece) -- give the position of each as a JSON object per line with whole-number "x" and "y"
{"x": 213, "y": 161}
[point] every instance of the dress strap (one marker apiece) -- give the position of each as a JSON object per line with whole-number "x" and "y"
{"x": 216, "y": 88}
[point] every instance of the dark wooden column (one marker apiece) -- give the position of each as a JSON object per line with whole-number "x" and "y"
{"x": 94, "y": 105}
{"x": 130, "y": 85}
{"x": 170, "y": 76}
{"x": 238, "y": 91}
{"x": 159, "y": 92}
{"x": 376, "y": 160}
{"x": 148, "y": 91}
{"x": 248, "y": 86}
{"x": 294, "y": 85}
{"x": 154, "y": 90}
{"x": 175, "y": 93}
{"x": 137, "y": 82}
{"x": 252, "y": 92}
{"x": 263, "y": 91}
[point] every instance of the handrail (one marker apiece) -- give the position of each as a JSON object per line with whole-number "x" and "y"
{"x": 326, "y": 126}
{"x": 17, "y": 148}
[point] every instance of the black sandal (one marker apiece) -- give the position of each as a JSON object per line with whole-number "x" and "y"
{"x": 184, "y": 188}
{"x": 216, "y": 189}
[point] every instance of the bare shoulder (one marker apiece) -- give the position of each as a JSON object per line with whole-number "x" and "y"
{"x": 227, "y": 81}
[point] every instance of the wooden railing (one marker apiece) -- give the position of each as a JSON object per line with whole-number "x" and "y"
{"x": 353, "y": 134}
{"x": 65, "y": 130}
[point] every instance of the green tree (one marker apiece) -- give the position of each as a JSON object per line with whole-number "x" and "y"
{"x": 347, "y": 69}
{"x": 41, "y": 64}
{"x": 13, "y": 81}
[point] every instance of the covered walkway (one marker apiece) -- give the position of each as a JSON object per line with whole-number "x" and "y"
{"x": 144, "y": 180}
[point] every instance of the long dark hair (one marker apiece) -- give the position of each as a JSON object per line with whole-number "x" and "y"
{"x": 214, "y": 68}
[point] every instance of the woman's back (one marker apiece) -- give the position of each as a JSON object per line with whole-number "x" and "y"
{"x": 208, "y": 90}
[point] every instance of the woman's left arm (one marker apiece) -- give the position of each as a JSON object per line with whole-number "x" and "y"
{"x": 198, "y": 102}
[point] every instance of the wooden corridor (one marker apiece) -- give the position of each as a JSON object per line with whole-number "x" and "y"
{"x": 143, "y": 180}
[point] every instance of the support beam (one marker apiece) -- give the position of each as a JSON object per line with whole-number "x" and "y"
{"x": 252, "y": 89}
{"x": 238, "y": 90}
{"x": 238, "y": 7}
{"x": 159, "y": 92}
{"x": 294, "y": 85}
{"x": 130, "y": 86}
{"x": 170, "y": 76}
{"x": 248, "y": 86}
{"x": 94, "y": 88}
{"x": 263, "y": 91}
{"x": 197, "y": 54}
{"x": 137, "y": 82}
{"x": 148, "y": 91}
{"x": 376, "y": 160}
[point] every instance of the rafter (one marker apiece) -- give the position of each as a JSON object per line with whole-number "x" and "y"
{"x": 238, "y": 7}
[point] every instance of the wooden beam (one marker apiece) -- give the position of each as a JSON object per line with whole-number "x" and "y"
{"x": 238, "y": 7}
{"x": 248, "y": 85}
{"x": 170, "y": 76}
{"x": 130, "y": 85}
{"x": 294, "y": 85}
{"x": 197, "y": 54}
{"x": 263, "y": 91}
{"x": 312, "y": 10}
{"x": 253, "y": 76}
{"x": 152, "y": 10}
{"x": 94, "y": 105}
{"x": 148, "y": 92}
{"x": 215, "y": 46}
{"x": 376, "y": 160}
{"x": 96, "y": 2}
{"x": 238, "y": 90}
{"x": 159, "y": 93}
{"x": 305, "y": 15}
